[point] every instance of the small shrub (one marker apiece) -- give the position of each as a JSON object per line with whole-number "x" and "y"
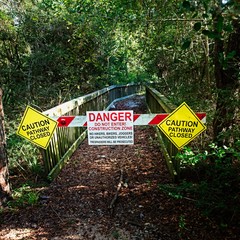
{"x": 23, "y": 156}
{"x": 215, "y": 154}
{"x": 216, "y": 188}
{"x": 23, "y": 196}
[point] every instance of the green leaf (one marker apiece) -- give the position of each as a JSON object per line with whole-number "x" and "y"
{"x": 228, "y": 28}
{"x": 205, "y": 15}
{"x": 186, "y": 5}
{"x": 195, "y": 15}
{"x": 205, "y": 32}
{"x": 186, "y": 44}
{"x": 197, "y": 26}
{"x": 230, "y": 55}
{"x": 210, "y": 34}
{"x": 220, "y": 23}
{"x": 205, "y": 6}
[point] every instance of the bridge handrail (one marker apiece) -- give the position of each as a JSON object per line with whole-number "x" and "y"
{"x": 66, "y": 140}
{"x": 158, "y": 103}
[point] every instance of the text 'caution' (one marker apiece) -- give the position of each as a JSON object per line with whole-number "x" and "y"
{"x": 182, "y": 126}
{"x": 36, "y": 127}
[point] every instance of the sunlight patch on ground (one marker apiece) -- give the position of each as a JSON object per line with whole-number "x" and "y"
{"x": 78, "y": 187}
{"x": 18, "y": 233}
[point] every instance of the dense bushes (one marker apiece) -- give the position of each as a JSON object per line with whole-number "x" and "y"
{"x": 211, "y": 179}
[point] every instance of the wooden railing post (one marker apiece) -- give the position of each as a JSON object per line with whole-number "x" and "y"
{"x": 158, "y": 103}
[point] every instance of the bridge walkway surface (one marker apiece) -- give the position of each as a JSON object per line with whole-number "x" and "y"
{"x": 111, "y": 192}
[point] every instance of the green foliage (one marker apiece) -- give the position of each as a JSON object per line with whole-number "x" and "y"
{"x": 211, "y": 34}
{"x": 23, "y": 156}
{"x": 181, "y": 226}
{"x": 186, "y": 44}
{"x": 216, "y": 154}
{"x": 211, "y": 179}
{"x": 182, "y": 222}
{"x": 177, "y": 192}
{"x": 224, "y": 154}
{"x": 23, "y": 196}
{"x": 188, "y": 158}
{"x": 218, "y": 195}
{"x": 197, "y": 26}
{"x": 116, "y": 234}
{"x": 186, "y": 5}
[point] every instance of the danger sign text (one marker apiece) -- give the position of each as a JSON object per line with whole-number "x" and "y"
{"x": 110, "y": 128}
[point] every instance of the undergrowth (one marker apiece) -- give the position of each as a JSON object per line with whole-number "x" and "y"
{"x": 23, "y": 196}
{"x": 211, "y": 179}
{"x": 23, "y": 156}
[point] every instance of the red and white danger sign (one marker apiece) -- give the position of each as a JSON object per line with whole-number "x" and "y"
{"x": 110, "y": 127}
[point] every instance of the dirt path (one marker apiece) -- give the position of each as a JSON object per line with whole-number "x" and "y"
{"x": 77, "y": 204}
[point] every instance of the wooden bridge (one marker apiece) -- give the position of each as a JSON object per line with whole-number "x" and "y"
{"x": 66, "y": 140}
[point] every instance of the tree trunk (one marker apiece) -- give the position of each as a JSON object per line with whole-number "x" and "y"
{"x": 226, "y": 74}
{"x": 5, "y": 191}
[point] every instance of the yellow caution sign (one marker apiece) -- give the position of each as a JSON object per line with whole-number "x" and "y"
{"x": 36, "y": 127}
{"x": 182, "y": 126}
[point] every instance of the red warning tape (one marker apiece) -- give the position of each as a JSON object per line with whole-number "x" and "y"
{"x": 138, "y": 119}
